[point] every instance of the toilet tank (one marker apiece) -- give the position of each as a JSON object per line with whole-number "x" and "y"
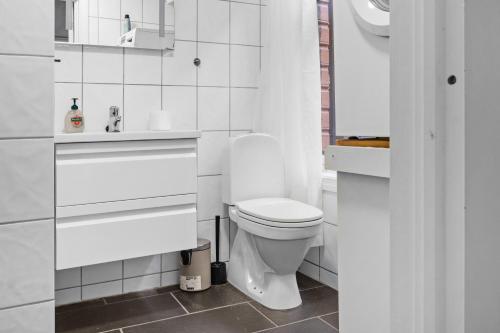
{"x": 253, "y": 168}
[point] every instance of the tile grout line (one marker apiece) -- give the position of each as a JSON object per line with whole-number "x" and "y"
{"x": 287, "y": 324}
{"x": 182, "y": 306}
{"x": 263, "y": 315}
{"x": 298, "y": 321}
{"x": 327, "y": 322}
{"x": 312, "y": 288}
{"x": 178, "y": 316}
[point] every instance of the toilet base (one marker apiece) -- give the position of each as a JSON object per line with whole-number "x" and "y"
{"x": 252, "y": 276}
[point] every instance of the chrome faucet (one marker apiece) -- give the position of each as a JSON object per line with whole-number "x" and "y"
{"x": 114, "y": 119}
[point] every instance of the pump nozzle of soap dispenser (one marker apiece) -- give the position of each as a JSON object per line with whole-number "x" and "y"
{"x": 74, "y": 106}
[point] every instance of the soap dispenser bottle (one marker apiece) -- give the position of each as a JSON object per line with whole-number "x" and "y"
{"x": 74, "y": 122}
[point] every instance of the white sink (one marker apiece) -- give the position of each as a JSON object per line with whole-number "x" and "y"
{"x": 126, "y": 136}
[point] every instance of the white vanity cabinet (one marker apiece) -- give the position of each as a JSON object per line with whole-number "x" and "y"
{"x": 120, "y": 196}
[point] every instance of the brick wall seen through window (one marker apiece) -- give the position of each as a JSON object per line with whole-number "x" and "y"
{"x": 326, "y": 52}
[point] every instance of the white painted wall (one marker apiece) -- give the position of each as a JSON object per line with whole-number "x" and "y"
{"x": 455, "y": 169}
{"x": 482, "y": 162}
{"x": 469, "y": 169}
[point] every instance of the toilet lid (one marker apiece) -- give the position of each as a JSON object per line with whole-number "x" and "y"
{"x": 280, "y": 210}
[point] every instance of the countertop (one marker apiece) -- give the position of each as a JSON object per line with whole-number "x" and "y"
{"x": 125, "y": 136}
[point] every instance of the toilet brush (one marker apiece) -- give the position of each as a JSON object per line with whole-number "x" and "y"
{"x": 219, "y": 275}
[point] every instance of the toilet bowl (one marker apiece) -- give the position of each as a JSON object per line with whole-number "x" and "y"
{"x": 274, "y": 232}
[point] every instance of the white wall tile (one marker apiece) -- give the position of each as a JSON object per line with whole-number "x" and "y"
{"x": 27, "y": 263}
{"x": 329, "y": 278}
{"x": 81, "y": 26}
{"x": 132, "y": 8}
{"x": 185, "y": 20}
{"x": 139, "y": 102}
{"x": 102, "y": 272}
{"x": 68, "y": 278}
{"x": 170, "y": 261}
{"x": 27, "y": 27}
{"x": 310, "y": 270}
{"x": 214, "y": 69}
{"x": 206, "y": 230}
{"x": 152, "y": 26}
{"x": 93, "y": 30}
{"x": 142, "y": 66}
{"x": 210, "y": 198}
{"x": 235, "y": 134}
{"x": 329, "y": 254}
{"x": 245, "y": 24}
{"x": 142, "y": 283}
{"x": 178, "y": 67}
{"x": 26, "y": 96}
{"x": 34, "y": 318}
{"x": 102, "y": 290}
{"x": 150, "y": 12}
{"x": 94, "y": 7}
{"x": 255, "y": 2}
{"x": 180, "y": 103}
{"x": 26, "y": 191}
{"x": 109, "y": 9}
{"x": 213, "y": 108}
{"x": 330, "y": 207}
{"x": 109, "y": 31}
{"x": 264, "y": 21}
{"x": 69, "y": 69}
{"x": 213, "y": 21}
{"x": 142, "y": 266}
{"x": 68, "y": 296}
{"x": 98, "y": 99}
{"x": 245, "y": 66}
{"x": 102, "y": 64}
{"x": 211, "y": 146}
{"x": 64, "y": 92}
{"x": 169, "y": 278}
{"x": 244, "y": 102}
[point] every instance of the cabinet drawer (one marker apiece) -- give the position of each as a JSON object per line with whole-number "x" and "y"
{"x": 113, "y": 171}
{"x": 97, "y": 233}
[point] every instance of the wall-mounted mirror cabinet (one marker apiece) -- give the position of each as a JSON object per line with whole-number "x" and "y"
{"x": 145, "y": 24}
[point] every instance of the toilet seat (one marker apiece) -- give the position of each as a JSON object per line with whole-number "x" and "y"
{"x": 277, "y": 218}
{"x": 279, "y": 212}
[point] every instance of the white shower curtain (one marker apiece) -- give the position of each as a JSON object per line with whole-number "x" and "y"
{"x": 290, "y": 93}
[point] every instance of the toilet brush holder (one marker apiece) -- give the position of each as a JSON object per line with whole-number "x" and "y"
{"x": 218, "y": 273}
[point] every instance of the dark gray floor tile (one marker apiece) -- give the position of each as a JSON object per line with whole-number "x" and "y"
{"x": 79, "y": 306}
{"x": 332, "y": 319}
{"x": 140, "y": 294}
{"x": 315, "y": 302}
{"x": 305, "y": 282}
{"x": 310, "y": 326}
{"x": 214, "y": 297}
{"x": 113, "y": 316}
{"x": 233, "y": 319}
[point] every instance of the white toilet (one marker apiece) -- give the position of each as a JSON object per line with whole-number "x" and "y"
{"x": 274, "y": 232}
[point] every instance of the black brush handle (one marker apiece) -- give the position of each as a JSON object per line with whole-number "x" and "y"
{"x": 217, "y": 235}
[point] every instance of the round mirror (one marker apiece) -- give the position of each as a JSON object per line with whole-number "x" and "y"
{"x": 372, "y": 15}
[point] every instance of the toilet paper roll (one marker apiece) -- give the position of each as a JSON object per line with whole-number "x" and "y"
{"x": 159, "y": 121}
